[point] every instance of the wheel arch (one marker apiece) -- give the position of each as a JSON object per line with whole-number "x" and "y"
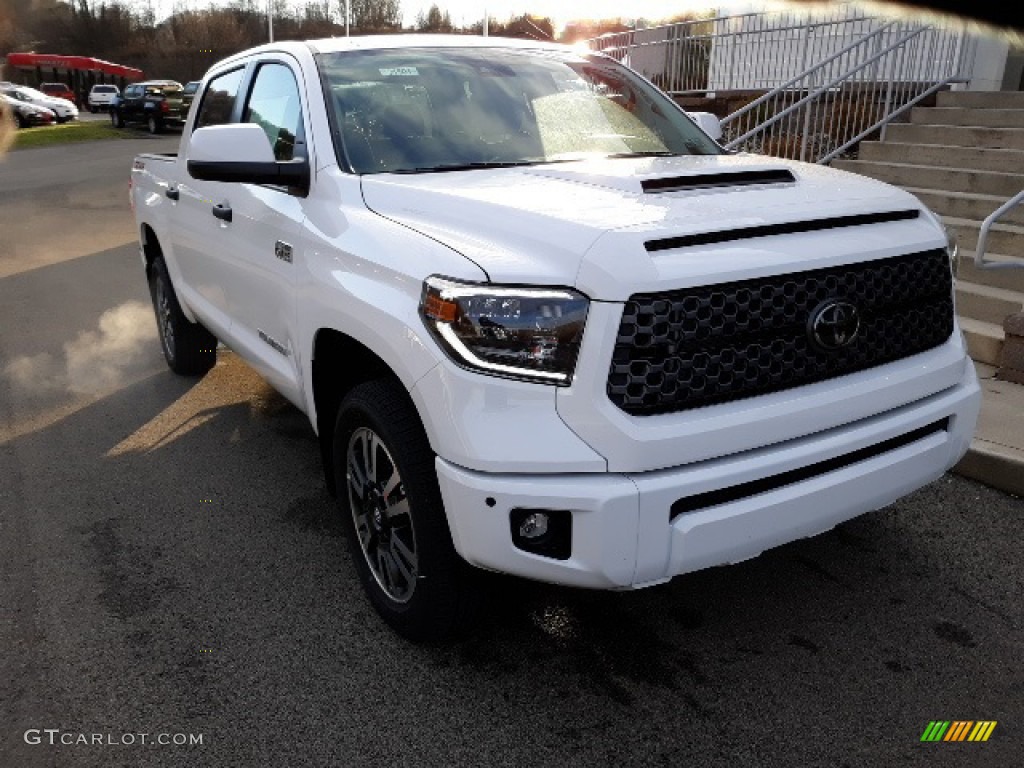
{"x": 150, "y": 246}
{"x": 339, "y": 363}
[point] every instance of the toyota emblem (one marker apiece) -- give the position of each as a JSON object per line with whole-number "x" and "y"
{"x": 833, "y": 325}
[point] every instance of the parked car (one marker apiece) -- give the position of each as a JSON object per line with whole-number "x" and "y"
{"x": 541, "y": 322}
{"x": 27, "y": 115}
{"x": 189, "y": 94}
{"x": 157, "y": 103}
{"x": 59, "y": 91}
{"x": 62, "y": 108}
{"x": 102, "y": 96}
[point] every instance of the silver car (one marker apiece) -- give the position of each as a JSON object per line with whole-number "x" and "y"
{"x": 64, "y": 109}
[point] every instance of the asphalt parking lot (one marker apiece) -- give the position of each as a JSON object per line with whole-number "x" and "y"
{"x": 170, "y": 563}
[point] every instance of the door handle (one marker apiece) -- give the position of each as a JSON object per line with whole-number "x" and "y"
{"x": 222, "y": 212}
{"x": 172, "y": 192}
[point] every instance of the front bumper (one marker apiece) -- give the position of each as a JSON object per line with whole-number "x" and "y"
{"x": 625, "y": 535}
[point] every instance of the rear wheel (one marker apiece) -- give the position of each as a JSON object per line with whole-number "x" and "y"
{"x": 116, "y": 119}
{"x": 190, "y": 349}
{"x": 153, "y": 124}
{"x": 392, "y": 509}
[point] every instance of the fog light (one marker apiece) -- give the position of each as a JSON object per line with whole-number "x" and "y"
{"x": 534, "y": 526}
{"x": 544, "y": 532}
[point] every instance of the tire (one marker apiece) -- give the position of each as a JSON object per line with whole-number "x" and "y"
{"x": 22, "y": 122}
{"x": 189, "y": 349}
{"x": 116, "y": 118}
{"x": 399, "y": 540}
{"x": 154, "y": 125}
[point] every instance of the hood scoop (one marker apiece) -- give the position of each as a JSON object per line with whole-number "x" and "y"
{"x": 716, "y": 180}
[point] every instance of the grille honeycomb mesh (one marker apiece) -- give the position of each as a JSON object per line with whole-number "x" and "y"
{"x": 712, "y": 344}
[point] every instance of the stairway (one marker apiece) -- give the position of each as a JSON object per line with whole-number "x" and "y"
{"x": 963, "y": 158}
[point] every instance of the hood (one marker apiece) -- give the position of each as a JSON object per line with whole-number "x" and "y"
{"x": 591, "y": 224}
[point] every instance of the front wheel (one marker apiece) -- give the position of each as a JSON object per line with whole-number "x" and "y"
{"x": 392, "y": 509}
{"x": 190, "y": 349}
{"x": 116, "y": 119}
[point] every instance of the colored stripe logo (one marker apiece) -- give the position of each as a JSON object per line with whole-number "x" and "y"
{"x": 958, "y": 730}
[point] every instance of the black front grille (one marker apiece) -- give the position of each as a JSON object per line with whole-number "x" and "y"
{"x": 712, "y": 344}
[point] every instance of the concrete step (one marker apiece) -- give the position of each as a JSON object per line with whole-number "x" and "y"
{"x": 996, "y": 455}
{"x": 1007, "y": 239}
{"x": 990, "y": 118}
{"x": 967, "y": 205}
{"x": 982, "y": 99}
{"x": 908, "y": 175}
{"x": 1007, "y": 279}
{"x": 945, "y": 156}
{"x": 985, "y": 303}
{"x": 984, "y": 340}
{"x": 956, "y": 135}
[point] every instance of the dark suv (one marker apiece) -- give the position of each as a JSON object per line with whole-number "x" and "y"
{"x": 157, "y": 103}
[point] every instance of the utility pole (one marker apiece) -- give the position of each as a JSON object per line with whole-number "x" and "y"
{"x": 485, "y": 21}
{"x": 348, "y": 14}
{"x": 270, "y": 20}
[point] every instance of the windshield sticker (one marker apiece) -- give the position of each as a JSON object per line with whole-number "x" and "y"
{"x": 399, "y": 71}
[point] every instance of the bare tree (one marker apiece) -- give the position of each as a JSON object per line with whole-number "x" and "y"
{"x": 374, "y": 16}
{"x": 434, "y": 20}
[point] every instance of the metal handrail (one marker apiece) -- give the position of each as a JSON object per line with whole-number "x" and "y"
{"x": 986, "y": 225}
{"x": 820, "y": 78}
{"x": 820, "y": 90}
{"x": 888, "y": 118}
{"x": 811, "y": 70}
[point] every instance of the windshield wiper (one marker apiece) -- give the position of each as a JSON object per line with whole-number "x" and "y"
{"x": 651, "y": 153}
{"x": 474, "y": 166}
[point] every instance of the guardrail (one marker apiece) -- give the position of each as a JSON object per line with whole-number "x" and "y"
{"x": 986, "y": 225}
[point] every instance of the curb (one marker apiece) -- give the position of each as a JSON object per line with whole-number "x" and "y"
{"x": 994, "y": 465}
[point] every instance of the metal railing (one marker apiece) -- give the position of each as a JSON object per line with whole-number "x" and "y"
{"x": 986, "y": 225}
{"x": 816, "y": 84}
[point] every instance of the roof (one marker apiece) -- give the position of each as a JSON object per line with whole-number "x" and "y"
{"x": 376, "y": 42}
{"x": 384, "y": 42}
{"x": 57, "y": 61}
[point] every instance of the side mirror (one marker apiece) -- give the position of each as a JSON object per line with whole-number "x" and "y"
{"x": 241, "y": 153}
{"x": 708, "y": 123}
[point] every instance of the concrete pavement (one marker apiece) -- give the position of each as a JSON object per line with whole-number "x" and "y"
{"x": 996, "y": 457}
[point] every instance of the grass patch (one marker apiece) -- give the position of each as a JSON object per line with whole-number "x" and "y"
{"x": 48, "y": 135}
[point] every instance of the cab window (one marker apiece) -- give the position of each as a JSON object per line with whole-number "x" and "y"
{"x": 274, "y": 106}
{"x": 219, "y": 99}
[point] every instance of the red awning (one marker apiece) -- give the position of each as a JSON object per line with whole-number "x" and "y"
{"x": 81, "y": 63}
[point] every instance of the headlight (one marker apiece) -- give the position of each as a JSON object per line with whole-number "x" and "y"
{"x": 520, "y": 333}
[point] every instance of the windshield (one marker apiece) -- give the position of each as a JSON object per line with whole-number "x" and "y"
{"x": 431, "y": 109}
{"x": 104, "y": 89}
{"x": 28, "y": 94}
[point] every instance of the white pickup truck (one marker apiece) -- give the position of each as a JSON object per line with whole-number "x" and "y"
{"x": 541, "y": 322}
